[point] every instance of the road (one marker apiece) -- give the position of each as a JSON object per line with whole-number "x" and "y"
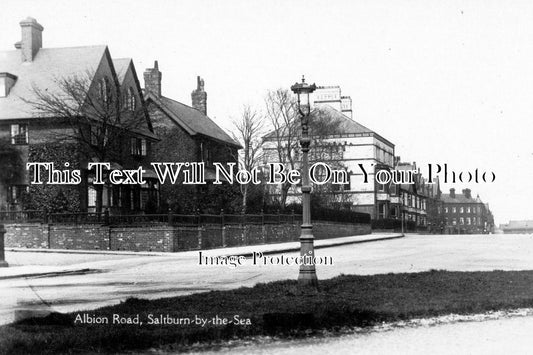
{"x": 115, "y": 277}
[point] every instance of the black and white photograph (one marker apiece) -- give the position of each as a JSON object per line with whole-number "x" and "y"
{"x": 266, "y": 177}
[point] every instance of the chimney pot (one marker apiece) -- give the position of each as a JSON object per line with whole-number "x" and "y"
{"x": 452, "y": 193}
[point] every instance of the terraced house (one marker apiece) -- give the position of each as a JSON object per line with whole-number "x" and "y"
{"x": 71, "y": 107}
{"x": 466, "y": 215}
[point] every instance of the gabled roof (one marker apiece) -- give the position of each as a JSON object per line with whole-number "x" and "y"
{"x": 49, "y": 65}
{"x": 121, "y": 67}
{"x": 190, "y": 119}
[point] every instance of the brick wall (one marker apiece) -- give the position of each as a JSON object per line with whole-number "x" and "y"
{"x": 159, "y": 238}
{"x": 165, "y": 238}
{"x": 80, "y": 237}
{"x": 26, "y": 235}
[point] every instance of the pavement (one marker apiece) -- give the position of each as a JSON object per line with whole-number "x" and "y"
{"x": 36, "y": 270}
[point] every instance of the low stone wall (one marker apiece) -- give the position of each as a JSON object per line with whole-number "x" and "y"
{"x": 164, "y": 237}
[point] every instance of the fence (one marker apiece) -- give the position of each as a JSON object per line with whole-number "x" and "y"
{"x": 149, "y": 219}
{"x": 105, "y": 218}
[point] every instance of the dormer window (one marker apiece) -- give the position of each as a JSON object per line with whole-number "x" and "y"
{"x": 6, "y": 83}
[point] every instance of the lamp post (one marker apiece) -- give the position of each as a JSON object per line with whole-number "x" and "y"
{"x": 402, "y": 210}
{"x": 307, "y": 275}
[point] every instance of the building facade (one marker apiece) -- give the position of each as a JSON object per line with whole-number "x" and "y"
{"x": 350, "y": 147}
{"x": 186, "y": 134}
{"x": 464, "y": 214}
{"x": 406, "y": 202}
{"x": 50, "y": 100}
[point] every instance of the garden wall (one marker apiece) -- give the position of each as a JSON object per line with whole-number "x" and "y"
{"x": 164, "y": 237}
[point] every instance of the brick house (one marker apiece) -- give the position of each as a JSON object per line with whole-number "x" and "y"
{"x": 187, "y": 134}
{"x": 39, "y": 135}
{"x": 464, "y": 214}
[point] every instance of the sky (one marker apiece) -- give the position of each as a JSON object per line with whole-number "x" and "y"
{"x": 447, "y": 82}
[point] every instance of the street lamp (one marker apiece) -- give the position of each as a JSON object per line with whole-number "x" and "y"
{"x": 307, "y": 274}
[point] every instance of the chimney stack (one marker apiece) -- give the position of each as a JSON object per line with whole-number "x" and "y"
{"x": 32, "y": 39}
{"x": 152, "y": 80}
{"x": 199, "y": 97}
{"x": 452, "y": 193}
{"x": 467, "y": 193}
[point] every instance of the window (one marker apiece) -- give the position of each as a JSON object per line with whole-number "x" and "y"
{"x": 445, "y": 209}
{"x": 381, "y": 187}
{"x": 468, "y": 209}
{"x": 138, "y": 146}
{"x": 461, "y": 210}
{"x": 461, "y": 220}
{"x": 454, "y": 210}
{"x": 454, "y": 222}
{"x": 131, "y": 102}
{"x": 16, "y": 192}
{"x": 19, "y": 133}
{"x": 468, "y": 220}
{"x": 104, "y": 90}
{"x": 132, "y": 200}
{"x": 382, "y": 208}
{"x": 91, "y": 196}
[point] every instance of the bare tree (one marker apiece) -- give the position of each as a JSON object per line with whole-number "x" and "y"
{"x": 248, "y": 130}
{"x": 282, "y": 115}
{"x": 92, "y": 115}
{"x": 284, "y": 139}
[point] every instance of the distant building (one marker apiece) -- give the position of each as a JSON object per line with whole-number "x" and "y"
{"x": 464, "y": 214}
{"x": 408, "y": 201}
{"x": 331, "y": 96}
{"x": 435, "y": 219}
{"x": 517, "y": 227}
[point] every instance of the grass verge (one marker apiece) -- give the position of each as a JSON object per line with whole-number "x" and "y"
{"x": 280, "y": 308}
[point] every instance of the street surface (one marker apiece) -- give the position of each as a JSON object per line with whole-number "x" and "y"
{"x": 501, "y": 336}
{"x": 108, "y": 279}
